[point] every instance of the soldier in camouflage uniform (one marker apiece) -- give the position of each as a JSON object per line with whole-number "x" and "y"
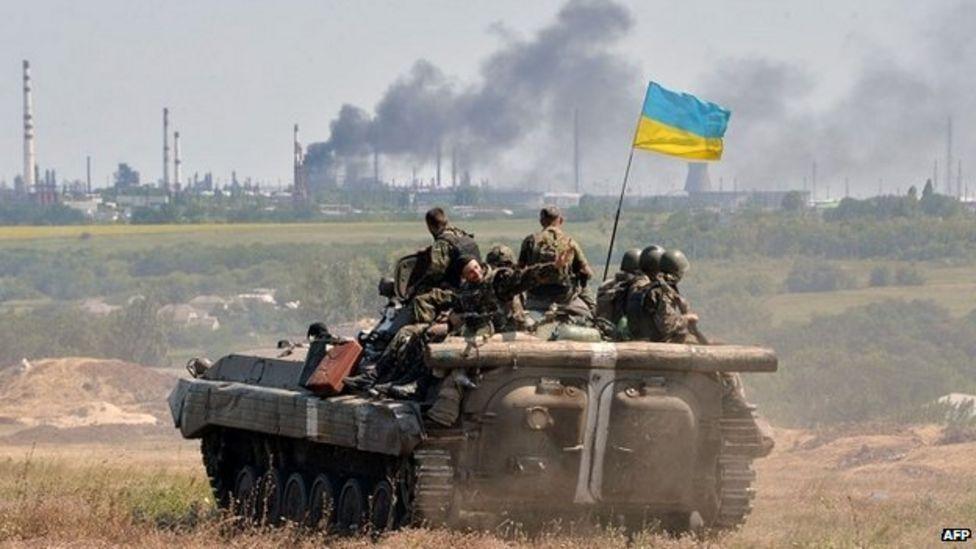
{"x": 489, "y": 299}
{"x": 655, "y": 310}
{"x": 611, "y": 294}
{"x": 450, "y": 245}
{"x": 487, "y": 302}
{"x": 565, "y": 289}
{"x": 665, "y": 316}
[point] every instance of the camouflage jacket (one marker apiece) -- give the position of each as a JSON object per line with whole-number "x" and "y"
{"x": 546, "y": 246}
{"x": 492, "y": 305}
{"x": 656, "y": 312}
{"x": 449, "y": 250}
{"x": 611, "y": 296}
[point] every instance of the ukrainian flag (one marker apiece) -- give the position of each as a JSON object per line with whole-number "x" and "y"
{"x": 680, "y": 124}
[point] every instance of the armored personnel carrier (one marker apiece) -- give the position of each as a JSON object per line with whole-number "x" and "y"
{"x": 628, "y": 431}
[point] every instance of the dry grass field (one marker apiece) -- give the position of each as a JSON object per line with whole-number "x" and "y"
{"x": 140, "y": 236}
{"x": 867, "y": 486}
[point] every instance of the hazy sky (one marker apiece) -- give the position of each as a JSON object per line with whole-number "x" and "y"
{"x": 237, "y": 74}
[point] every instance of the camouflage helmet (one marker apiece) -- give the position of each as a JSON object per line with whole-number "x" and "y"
{"x": 674, "y": 263}
{"x": 630, "y": 262}
{"x": 650, "y": 259}
{"x": 500, "y": 255}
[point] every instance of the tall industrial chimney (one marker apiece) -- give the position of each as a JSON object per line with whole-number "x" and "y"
{"x": 454, "y": 166}
{"x": 177, "y": 161}
{"x": 299, "y": 191}
{"x": 88, "y": 174}
{"x": 165, "y": 149}
{"x": 438, "y": 164}
{"x": 959, "y": 181}
{"x": 376, "y": 164}
{"x": 948, "y": 164}
{"x": 576, "y": 153}
{"x": 30, "y": 164}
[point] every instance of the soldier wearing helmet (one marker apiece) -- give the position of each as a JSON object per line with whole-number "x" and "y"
{"x": 610, "y": 296}
{"x": 656, "y": 311}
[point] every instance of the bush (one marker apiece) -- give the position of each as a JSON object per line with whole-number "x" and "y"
{"x": 883, "y": 361}
{"x": 817, "y": 276}
{"x": 909, "y": 276}
{"x": 880, "y": 276}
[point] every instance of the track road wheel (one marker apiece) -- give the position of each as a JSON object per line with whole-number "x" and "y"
{"x": 382, "y": 504}
{"x": 212, "y": 448}
{"x": 322, "y": 504}
{"x": 269, "y": 506}
{"x": 351, "y": 510}
{"x": 245, "y": 493}
{"x": 294, "y": 499}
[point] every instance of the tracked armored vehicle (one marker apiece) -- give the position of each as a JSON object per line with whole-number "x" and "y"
{"x": 627, "y": 431}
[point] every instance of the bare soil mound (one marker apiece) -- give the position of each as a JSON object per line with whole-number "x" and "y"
{"x": 50, "y": 396}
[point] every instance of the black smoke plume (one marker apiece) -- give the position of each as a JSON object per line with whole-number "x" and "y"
{"x": 521, "y": 107}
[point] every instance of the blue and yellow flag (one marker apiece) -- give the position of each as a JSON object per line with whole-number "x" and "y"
{"x": 680, "y": 124}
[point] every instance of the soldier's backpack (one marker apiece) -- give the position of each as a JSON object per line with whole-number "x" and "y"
{"x": 547, "y": 246}
{"x": 611, "y": 298}
{"x": 409, "y": 271}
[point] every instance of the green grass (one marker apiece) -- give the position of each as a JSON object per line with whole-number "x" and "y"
{"x": 952, "y": 287}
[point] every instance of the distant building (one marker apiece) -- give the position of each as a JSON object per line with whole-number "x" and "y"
{"x": 142, "y": 200}
{"x": 188, "y": 316}
{"x": 563, "y": 200}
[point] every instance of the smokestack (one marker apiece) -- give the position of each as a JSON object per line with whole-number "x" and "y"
{"x": 177, "y": 161}
{"x": 948, "y": 164}
{"x": 959, "y": 181}
{"x": 438, "y": 164}
{"x": 165, "y": 149}
{"x": 454, "y": 166}
{"x": 299, "y": 191}
{"x": 576, "y": 156}
{"x": 935, "y": 175}
{"x": 376, "y": 164}
{"x": 88, "y": 174}
{"x": 847, "y": 187}
{"x": 30, "y": 163}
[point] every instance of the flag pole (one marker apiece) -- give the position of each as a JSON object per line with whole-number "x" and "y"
{"x": 620, "y": 203}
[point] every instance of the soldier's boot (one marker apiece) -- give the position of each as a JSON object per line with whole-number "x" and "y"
{"x": 464, "y": 381}
{"x": 447, "y": 406}
{"x": 362, "y": 381}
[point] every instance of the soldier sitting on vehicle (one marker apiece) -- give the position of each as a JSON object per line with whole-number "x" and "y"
{"x": 565, "y": 289}
{"x": 486, "y": 303}
{"x": 489, "y": 298}
{"x": 450, "y": 245}
{"x": 658, "y": 312}
{"x": 611, "y": 294}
